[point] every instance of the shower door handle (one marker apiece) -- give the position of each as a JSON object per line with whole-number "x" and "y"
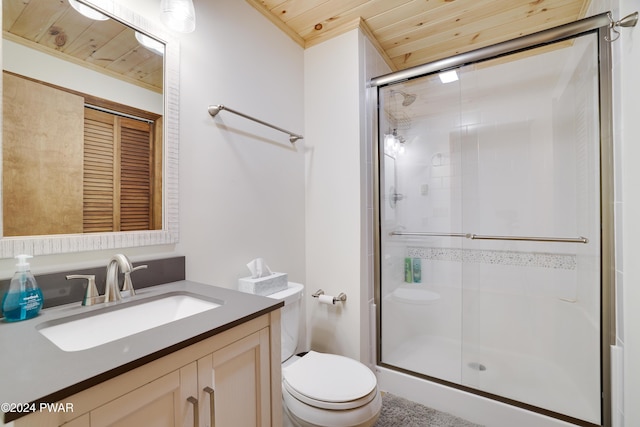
{"x": 530, "y": 239}
{"x": 472, "y": 236}
{"x": 427, "y": 234}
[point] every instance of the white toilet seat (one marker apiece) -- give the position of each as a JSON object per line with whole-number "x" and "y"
{"x": 309, "y": 416}
{"x": 333, "y": 406}
{"x": 329, "y": 379}
{"x": 321, "y": 387}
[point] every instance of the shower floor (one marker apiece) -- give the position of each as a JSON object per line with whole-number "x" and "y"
{"x": 515, "y": 376}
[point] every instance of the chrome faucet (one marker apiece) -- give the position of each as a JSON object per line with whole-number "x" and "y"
{"x": 112, "y": 292}
{"x": 111, "y": 287}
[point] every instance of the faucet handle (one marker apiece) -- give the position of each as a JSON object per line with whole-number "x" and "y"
{"x": 127, "y": 288}
{"x": 91, "y": 295}
{"x": 140, "y": 267}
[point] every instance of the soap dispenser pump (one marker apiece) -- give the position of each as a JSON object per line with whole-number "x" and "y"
{"x": 24, "y": 298}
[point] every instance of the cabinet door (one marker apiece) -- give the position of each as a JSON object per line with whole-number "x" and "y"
{"x": 82, "y": 421}
{"x": 46, "y": 419}
{"x": 161, "y": 403}
{"x": 235, "y": 383}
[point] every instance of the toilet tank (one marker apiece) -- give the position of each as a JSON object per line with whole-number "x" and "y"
{"x": 290, "y": 317}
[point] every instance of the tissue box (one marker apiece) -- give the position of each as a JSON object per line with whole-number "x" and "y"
{"x": 267, "y": 285}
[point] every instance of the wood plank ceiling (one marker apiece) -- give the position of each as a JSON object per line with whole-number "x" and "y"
{"x": 54, "y": 27}
{"x": 413, "y": 32}
{"x": 406, "y": 32}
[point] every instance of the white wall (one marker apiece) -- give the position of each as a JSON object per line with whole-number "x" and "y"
{"x": 333, "y": 197}
{"x": 338, "y": 197}
{"x": 242, "y": 184}
{"x": 628, "y": 268}
{"x": 626, "y": 63}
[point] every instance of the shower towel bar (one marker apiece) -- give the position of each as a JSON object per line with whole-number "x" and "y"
{"x": 215, "y": 109}
{"x": 484, "y": 237}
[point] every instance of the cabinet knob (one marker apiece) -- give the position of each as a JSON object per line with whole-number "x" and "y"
{"x": 212, "y": 404}
{"x": 196, "y": 412}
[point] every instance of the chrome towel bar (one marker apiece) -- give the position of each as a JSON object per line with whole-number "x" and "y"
{"x": 215, "y": 109}
{"x": 485, "y": 237}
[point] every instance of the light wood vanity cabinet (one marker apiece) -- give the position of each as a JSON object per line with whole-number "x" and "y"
{"x": 234, "y": 383}
{"x": 238, "y": 371}
{"x": 161, "y": 403}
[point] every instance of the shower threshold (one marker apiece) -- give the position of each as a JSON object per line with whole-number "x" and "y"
{"x": 496, "y": 373}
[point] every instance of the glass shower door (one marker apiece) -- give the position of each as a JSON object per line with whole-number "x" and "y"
{"x": 421, "y": 277}
{"x": 490, "y": 228}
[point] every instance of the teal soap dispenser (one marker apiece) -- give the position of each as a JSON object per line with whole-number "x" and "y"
{"x": 24, "y": 298}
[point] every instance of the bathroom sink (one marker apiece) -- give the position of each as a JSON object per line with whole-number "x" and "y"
{"x": 119, "y": 321}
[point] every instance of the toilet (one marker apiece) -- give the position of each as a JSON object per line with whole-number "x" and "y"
{"x": 320, "y": 389}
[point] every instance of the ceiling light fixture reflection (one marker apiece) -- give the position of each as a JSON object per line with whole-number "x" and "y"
{"x": 448, "y": 76}
{"x": 178, "y": 15}
{"x": 150, "y": 43}
{"x": 87, "y": 11}
{"x": 393, "y": 144}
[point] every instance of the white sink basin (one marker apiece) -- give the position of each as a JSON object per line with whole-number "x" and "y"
{"x": 110, "y": 325}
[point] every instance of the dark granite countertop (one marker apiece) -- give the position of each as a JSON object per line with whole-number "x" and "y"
{"x": 34, "y": 370}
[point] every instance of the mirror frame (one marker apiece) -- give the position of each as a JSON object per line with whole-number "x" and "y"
{"x": 69, "y": 243}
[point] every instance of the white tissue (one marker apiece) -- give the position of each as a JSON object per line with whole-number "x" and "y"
{"x": 262, "y": 281}
{"x": 258, "y": 268}
{"x": 326, "y": 299}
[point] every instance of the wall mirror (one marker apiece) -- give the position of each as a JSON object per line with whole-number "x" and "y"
{"x": 90, "y": 128}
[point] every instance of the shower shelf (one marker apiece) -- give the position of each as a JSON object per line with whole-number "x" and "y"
{"x": 414, "y": 296}
{"x": 488, "y": 237}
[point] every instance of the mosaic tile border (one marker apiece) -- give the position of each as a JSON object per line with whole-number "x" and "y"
{"x": 521, "y": 259}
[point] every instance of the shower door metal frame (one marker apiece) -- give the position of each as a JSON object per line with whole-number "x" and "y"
{"x": 601, "y": 26}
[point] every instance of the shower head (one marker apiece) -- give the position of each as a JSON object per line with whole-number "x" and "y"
{"x": 408, "y": 98}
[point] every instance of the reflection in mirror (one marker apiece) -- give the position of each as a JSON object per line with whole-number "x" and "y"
{"x": 86, "y": 159}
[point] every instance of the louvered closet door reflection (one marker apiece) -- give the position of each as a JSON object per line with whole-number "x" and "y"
{"x": 117, "y": 173}
{"x": 135, "y": 175}
{"x": 100, "y": 171}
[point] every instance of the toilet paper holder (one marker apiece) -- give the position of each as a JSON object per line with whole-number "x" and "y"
{"x": 341, "y": 296}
